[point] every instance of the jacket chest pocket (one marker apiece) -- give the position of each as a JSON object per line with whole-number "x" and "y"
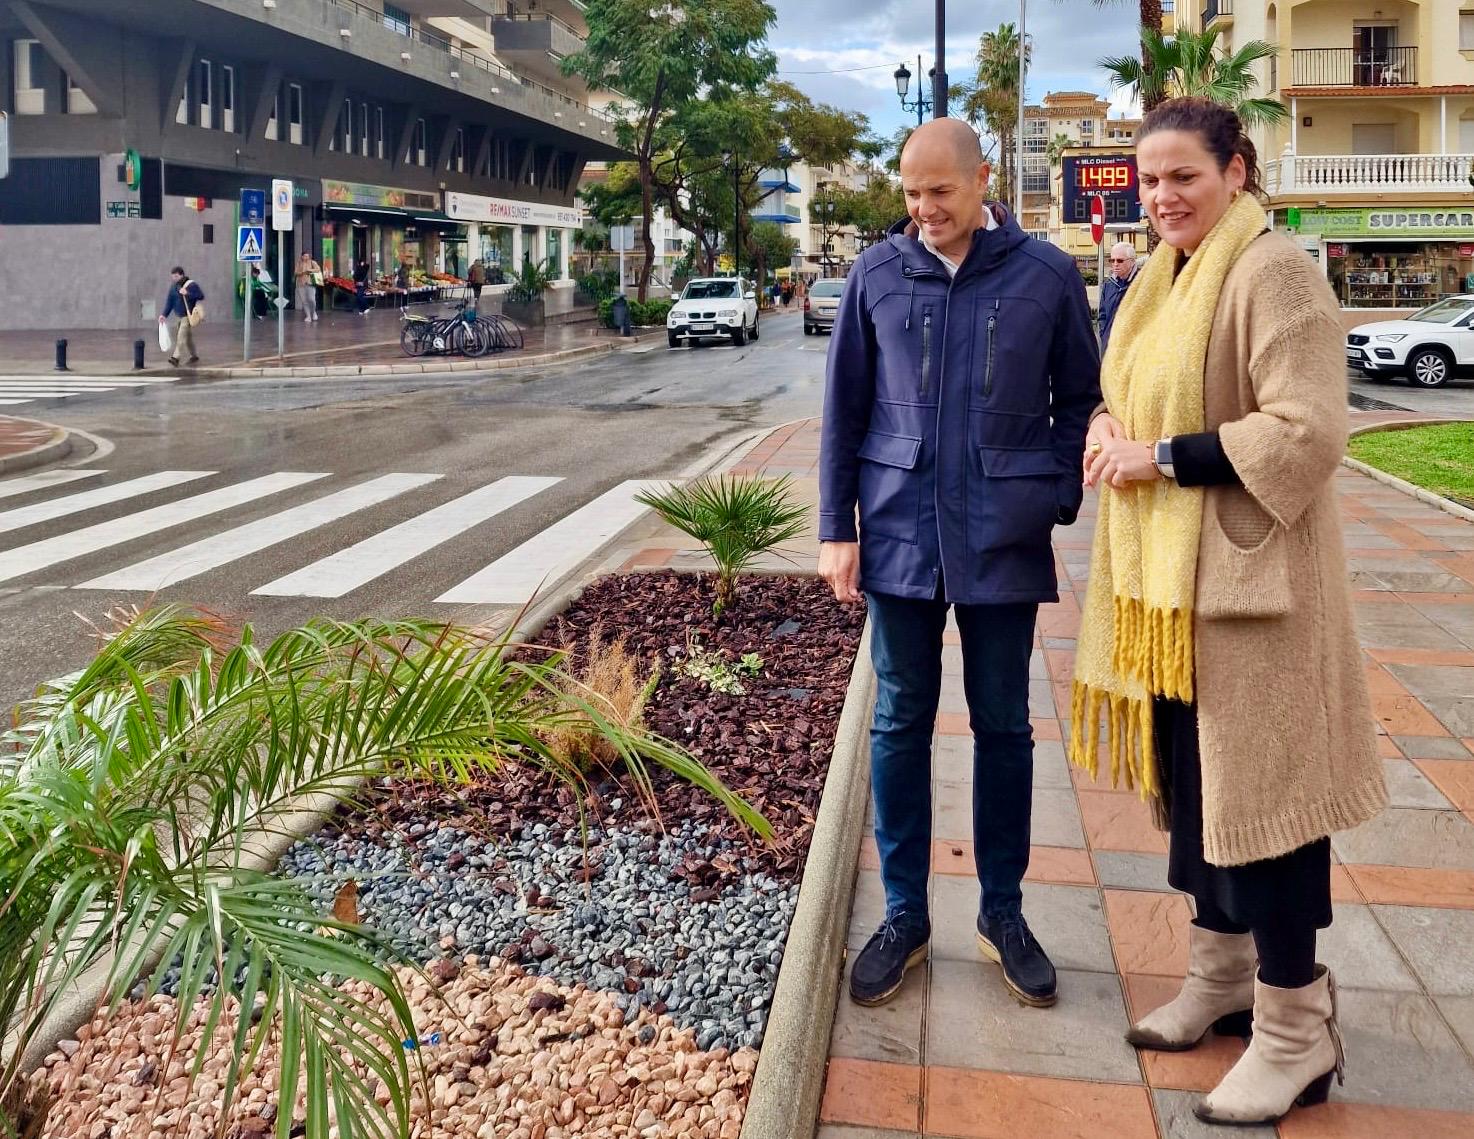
{"x": 1012, "y": 341}
{"x": 890, "y": 488}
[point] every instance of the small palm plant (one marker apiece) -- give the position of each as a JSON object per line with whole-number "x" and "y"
{"x": 1193, "y": 63}
{"x": 737, "y": 519}
{"x": 529, "y": 285}
{"x": 132, "y": 791}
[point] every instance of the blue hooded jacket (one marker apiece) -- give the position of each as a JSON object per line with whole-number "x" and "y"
{"x": 955, "y": 413}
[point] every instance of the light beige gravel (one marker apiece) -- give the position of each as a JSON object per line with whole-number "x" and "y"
{"x": 503, "y": 1071}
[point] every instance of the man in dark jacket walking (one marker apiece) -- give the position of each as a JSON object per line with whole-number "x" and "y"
{"x": 1113, "y": 288}
{"x": 962, "y": 374}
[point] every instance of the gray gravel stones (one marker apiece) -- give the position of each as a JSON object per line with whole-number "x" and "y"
{"x": 706, "y": 956}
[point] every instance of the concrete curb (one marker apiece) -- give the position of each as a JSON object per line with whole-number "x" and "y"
{"x": 1412, "y": 490}
{"x": 788, "y": 1085}
{"x": 58, "y": 447}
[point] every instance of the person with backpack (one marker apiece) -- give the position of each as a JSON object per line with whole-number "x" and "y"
{"x": 185, "y": 301}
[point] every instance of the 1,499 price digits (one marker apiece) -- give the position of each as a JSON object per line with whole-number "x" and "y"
{"x": 1116, "y": 176}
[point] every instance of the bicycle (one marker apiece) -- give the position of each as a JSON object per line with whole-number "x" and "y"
{"x": 459, "y": 334}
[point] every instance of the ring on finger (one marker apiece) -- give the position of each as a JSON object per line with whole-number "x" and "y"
{"x": 1095, "y": 446}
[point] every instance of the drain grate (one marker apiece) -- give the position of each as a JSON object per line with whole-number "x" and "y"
{"x": 1366, "y": 403}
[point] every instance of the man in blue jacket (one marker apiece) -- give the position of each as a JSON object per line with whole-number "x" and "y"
{"x": 962, "y": 373}
{"x": 1113, "y": 288}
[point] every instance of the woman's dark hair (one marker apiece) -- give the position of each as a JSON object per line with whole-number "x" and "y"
{"x": 1218, "y": 126}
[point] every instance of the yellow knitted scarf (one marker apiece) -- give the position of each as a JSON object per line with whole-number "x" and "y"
{"x": 1136, "y": 634}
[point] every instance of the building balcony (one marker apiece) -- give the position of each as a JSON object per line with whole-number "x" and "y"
{"x": 1217, "y": 13}
{"x": 1327, "y": 175}
{"x": 780, "y": 214}
{"x": 537, "y": 43}
{"x": 1350, "y": 67}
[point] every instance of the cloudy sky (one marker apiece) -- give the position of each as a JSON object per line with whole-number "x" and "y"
{"x": 834, "y": 36}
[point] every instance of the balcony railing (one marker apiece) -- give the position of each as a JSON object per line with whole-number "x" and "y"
{"x": 1215, "y": 8}
{"x": 470, "y": 58}
{"x": 1369, "y": 173}
{"x": 1353, "y": 67}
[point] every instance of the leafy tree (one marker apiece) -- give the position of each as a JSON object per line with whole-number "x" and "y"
{"x": 1149, "y": 15}
{"x": 659, "y": 60}
{"x": 992, "y": 100}
{"x": 768, "y": 248}
{"x": 1190, "y": 64}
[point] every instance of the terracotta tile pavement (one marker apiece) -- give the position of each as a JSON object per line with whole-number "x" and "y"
{"x": 1406, "y": 619}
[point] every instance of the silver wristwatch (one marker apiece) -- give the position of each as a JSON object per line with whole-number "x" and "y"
{"x": 1162, "y": 457}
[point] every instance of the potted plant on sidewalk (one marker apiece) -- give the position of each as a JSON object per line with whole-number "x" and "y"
{"x": 524, "y": 301}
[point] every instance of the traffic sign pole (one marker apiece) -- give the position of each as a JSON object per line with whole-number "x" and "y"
{"x": 1097, "y": 234}
{"x": 253, "y": 213}
{"x": 281, "y": 222}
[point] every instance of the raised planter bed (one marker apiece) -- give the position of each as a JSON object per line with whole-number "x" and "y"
{"x": 613, "y": 980}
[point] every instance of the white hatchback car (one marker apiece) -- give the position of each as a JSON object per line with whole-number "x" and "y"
{"x": 713, "y": 306}
{"x": 1430, "y": 347}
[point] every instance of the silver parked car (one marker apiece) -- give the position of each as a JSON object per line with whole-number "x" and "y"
{"x": 821, "y": 304}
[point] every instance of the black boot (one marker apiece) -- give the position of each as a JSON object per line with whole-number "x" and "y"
{"x": 899, "y": 943}
{"x": 1027, "y": 970}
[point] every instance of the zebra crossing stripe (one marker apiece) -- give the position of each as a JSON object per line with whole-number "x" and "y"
{"x": 517, "y": 575}
{"x": 49, "y": 378}
{"x": 79, "y": 543}
{"x": 348, "y": 569}
{"x": 13, "y": 402}
{"x": 43, "y": 481}
{"x": 220, "y": 549}
{"x": 44, "y": 393}
{"x": 102, "y": 496}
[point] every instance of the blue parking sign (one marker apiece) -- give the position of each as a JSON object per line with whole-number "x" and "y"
{"x": 253, "y": 205}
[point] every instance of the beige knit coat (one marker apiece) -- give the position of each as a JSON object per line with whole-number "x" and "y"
{"x": 1284, "y": 721}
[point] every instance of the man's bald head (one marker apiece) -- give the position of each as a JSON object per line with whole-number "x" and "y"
{"x": 943, "y": 140}
{"x": 944, "y": 179}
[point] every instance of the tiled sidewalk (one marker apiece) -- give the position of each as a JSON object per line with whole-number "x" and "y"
{"x": 955, "y": 1056}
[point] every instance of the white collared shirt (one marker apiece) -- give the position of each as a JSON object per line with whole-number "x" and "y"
{"x": 989, "y": 222}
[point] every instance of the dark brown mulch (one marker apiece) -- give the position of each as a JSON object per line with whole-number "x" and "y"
{"x": 771, "y": 745}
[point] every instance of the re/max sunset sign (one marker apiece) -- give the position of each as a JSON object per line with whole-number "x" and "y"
{"x": 474, "y": 207}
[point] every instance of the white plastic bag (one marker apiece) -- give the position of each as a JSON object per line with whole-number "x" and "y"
{"x": 166, "y": 342}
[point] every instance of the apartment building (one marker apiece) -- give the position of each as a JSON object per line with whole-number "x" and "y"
{"x": 824, "y": 250}
{"x": 1078, "y": 116}
{"x": 1372, "y": 170}
{"x": 419, "y": 132}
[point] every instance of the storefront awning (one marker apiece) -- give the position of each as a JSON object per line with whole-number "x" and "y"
{"x": 433, "y": 219}
{"x": 369, "y": 215}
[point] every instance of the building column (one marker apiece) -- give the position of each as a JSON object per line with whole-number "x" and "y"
{"x": 1294, "y": 125}
{"x": 564, "y": 253}
{"x": 1443, "y": 124}
{"x": 516, "y": 267}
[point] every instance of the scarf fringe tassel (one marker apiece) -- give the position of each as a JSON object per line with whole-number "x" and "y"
{"x": 1128, "y": 738}
{"x": 1156, "y": 647}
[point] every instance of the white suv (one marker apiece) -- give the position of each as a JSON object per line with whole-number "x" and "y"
{"x": 1429, "y": 348}
{"x": 713, "y": 306}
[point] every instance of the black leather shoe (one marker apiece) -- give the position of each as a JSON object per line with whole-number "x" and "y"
{"x": 1027, "y": 970}
{"x": 899, "y": 943}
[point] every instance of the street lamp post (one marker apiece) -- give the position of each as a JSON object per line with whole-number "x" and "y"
{"x": 921, "y": 104}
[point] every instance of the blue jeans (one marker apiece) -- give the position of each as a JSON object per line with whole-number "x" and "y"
{"x": 906, "y": 648}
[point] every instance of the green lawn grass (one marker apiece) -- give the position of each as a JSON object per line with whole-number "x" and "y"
{"x": 1439, "y": 458}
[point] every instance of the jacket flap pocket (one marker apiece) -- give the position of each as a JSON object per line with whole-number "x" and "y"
{"x": 891, "y": 450}
{"x": 1018, "y": 462}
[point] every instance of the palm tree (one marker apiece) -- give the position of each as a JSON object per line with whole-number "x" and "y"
{"x": 992, "y": 100}
{"x": 133, "y": 793}
{"x": 1189, "y": 64}
{"x": 1149, "y": 16}
{"x": 1057, "y": 147}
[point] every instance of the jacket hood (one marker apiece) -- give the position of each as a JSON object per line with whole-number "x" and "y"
{"x": 989, "y": 246}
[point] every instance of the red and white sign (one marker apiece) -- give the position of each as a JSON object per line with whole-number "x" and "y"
{"x": 1097, "y": 219}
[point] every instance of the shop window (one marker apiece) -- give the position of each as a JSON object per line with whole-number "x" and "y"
{"x": 30, "y": 90}
{"x": 78, "y": 101}
{"x": 1398, "y": 275}
{"x": 227, "y": 99}
{"x": 206, "y": 106}
{"x": 296, "y": 113}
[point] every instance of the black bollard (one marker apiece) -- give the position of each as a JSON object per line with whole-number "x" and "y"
{"x": 61, "y": 356}
{"x": 138, "y": 353}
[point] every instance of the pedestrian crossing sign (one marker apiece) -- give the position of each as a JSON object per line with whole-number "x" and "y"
{"x": 250, "y": 243}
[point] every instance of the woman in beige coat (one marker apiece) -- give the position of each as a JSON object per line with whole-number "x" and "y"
{"x": 1217, "y": 643}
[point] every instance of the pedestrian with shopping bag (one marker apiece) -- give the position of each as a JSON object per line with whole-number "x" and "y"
{"x": 307, "y": 277}
{"x": 185, "y": 301}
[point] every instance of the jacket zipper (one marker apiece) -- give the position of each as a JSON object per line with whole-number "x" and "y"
{"x": 992, "y": 327}
{"x": 925, "y": 350}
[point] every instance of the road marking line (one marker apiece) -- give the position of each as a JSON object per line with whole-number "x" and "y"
{"x": 68, "y": 384}
{"x": 42, "y": 393}
{"x": 221, "y": 549}
{"x": 13, "y": 402}
{"x": 46, "y": 378}
{"x": 541, "y": 560}
{"x": 375, "y": 556}
{"x": 79, "y": 543}
{"x": 102, "y": 496}
{"x": 43, "y": 481}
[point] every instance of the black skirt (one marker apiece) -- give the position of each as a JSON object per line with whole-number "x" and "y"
{"x": 1293, "y": 888}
